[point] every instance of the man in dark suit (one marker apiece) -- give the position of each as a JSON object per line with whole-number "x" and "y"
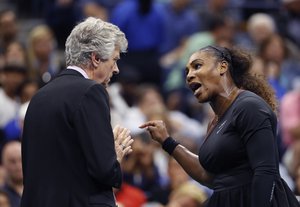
{"x": 69, "y": 155}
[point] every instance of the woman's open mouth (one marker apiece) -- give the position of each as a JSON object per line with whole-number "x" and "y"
{"x": 195, "y": 86}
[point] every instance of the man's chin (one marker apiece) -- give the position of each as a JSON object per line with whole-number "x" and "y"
{"x": 105, "y": 85}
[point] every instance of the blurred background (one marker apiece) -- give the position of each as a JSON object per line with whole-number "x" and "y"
{"x": 151, "y": 84}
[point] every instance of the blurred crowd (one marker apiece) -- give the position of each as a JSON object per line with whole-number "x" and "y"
{"x": 151, "y": 85}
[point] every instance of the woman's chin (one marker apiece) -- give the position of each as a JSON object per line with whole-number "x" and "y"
{"x": 201, "y": 98}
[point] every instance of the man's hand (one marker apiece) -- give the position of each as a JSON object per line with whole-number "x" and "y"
{"x": 123, "y": 142}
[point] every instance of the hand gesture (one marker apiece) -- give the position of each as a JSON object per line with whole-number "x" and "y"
{"x": 157, "y": 129}
{"x": 123, "y": 142}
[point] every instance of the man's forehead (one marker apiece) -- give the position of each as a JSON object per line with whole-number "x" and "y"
{"x": 116, "y": 53}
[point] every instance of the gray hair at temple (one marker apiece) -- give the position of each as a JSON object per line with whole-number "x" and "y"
{"x": 93, "y": 35}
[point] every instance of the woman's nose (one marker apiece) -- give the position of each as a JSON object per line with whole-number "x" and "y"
{"x": 189, "y": 76}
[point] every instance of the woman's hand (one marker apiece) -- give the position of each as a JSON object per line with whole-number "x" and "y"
{"x": 157, "y": 129}
{"x": 188, "y": 160}
{"x": 123, "y": 142}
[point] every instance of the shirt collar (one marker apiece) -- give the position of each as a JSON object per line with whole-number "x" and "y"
{"x": 80, "y": 70}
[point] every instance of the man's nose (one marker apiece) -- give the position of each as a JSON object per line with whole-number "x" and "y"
{"x": 116, "y": 70}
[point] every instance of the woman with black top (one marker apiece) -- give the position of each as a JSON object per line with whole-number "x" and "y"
{"x": 239, "y": 157}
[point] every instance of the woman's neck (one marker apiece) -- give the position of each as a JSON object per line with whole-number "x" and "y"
{"x": 224, "y": 100}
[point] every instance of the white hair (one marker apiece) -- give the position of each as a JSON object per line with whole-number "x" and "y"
{"x": 93, "y": 35}
{"x": 261, "y": 19}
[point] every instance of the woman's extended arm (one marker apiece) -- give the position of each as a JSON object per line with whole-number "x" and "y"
{"x": 183, "y": 156}
{"x": 190, "y": 163}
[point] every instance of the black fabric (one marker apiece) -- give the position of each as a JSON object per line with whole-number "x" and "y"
{"x": 169, "y": 145}
{"x": 68, "y": 153}
{"x": 242, "y": 154}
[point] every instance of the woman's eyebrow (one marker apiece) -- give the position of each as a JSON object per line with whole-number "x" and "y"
{"x": 196, "y": 60}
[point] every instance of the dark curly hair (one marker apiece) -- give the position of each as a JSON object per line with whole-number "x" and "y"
{"x": 240, "y": 62}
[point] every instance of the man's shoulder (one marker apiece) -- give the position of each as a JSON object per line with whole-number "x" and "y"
{"x": 69, "y": 79}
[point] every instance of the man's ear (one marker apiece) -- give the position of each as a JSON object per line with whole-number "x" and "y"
{"x": 223, "y": 67}
{"x": 95, "y": 59}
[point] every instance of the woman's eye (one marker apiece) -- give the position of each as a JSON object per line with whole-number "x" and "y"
{"x": 198, "y": 66}
{"x": 186, "y": 71}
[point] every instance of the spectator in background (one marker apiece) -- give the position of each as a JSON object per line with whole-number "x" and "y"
{"x": 15, "y": 54}
{"x": 98, "y": 8}
{"x": 130, "y": 196}
{"x": 260, "y": 26}
{"x": 24, "y": 91}
{"x": 125, "y": 87}
{"x": 44, "y": 60}
{"x": 143, "y": 23}
{"x": 290, "y": 117}
{"x": 281, "y": 68}
{"x": 13, "y": 76}
{"x": 27, "y": 90}
{"x": 2, "y": 173}
{"x": 177, "y": 176}
{"x": 187, "y": 194}
{"x": 268, "y": 62}
{"x": 207, "y": 10}
{"x": 291, "y": 160}
{"x": 30, "y": 8}
{"x": 290, "y": 127}
{"x": 4, "y": 199}
{"x": 8, "y": 27}
{"x": 61, "y": 16}
{"x": 12, "y": 163}
{"x": 108, "y": 4}
{"x": 139, "y": 168}
{"x": 290, "y": 22}
{"x": 8, "y": 31}
{"x": 181, "y": 21}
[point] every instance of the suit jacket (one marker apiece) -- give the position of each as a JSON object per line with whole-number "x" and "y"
{"x": 68, "y": 151}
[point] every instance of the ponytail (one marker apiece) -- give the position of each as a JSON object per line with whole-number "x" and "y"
{"x": 239, "y": 70}
{"x": 260, "y": 87}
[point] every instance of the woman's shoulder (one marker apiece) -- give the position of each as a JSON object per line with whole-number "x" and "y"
{"x": 251, "y": 108}
{"x": 249, "y": 98}
{"x": 250, "y": 102}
